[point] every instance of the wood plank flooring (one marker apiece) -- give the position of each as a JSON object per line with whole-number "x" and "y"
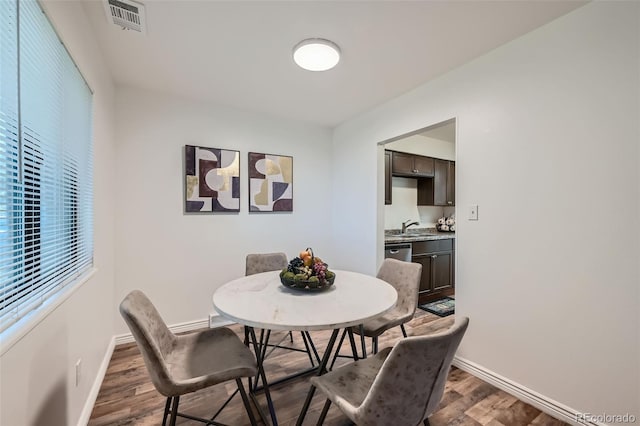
{"x": 127, "y": 396}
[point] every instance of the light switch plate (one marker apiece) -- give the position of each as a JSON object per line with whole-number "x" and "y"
{"x": 473, "y": 212}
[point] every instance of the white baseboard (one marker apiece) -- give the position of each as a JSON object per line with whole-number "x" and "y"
{"x": 213, "y": 322}
{"x": 85, "y": 415}
{"x": 541, "y": 402}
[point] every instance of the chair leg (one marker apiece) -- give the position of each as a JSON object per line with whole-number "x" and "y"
{"x": 375, "y": 344}
{"x": 362, "y": 342}
{"x": 323, "y": 414}
{"x": 174, "y": 410}
{"x": 166, "y": 411}
{"x": 245, "y": 400}
{"x": 404, "y": 332}
{"x": 291, "y": 336}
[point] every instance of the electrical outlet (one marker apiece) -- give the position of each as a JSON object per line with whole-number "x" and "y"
{"x": 78, "y": 371}
{"x": 473, "y": 212}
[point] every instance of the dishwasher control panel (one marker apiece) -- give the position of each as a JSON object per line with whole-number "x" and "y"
{"x": 400, "y": 251}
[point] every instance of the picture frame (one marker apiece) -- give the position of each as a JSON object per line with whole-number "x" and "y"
{"x": 270, "y": 182}
{"x": 212, "y": 180}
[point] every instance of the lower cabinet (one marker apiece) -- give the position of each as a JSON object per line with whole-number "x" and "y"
{"x": 438, "y": 263}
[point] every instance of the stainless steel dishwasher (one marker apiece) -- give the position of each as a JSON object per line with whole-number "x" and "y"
{"x": 400, "y": 251}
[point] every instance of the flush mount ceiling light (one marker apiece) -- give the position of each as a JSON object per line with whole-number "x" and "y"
{"x": 316, "y": 54}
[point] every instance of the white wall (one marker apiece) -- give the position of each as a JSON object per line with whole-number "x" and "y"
{"x": 404, "y": 191}
{"x": 38, "y": 372}
{"x": 424, "y": 145}
{"x": 547, "y": 145}
{"x": 177, "y": 259}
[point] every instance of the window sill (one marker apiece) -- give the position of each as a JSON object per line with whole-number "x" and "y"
{"x": 15, "y": 333}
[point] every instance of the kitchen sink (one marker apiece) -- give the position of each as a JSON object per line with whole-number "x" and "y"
{"x": 425, "y": 234}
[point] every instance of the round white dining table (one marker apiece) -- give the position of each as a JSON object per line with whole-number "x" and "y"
{"x": 261, "y": 301}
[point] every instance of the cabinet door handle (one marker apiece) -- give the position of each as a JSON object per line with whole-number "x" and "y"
{"x": 449, "y": 202}
{"x": 433, "y": 256}
{"x": 415, "y": 171}
{"x": 394, "y": 251}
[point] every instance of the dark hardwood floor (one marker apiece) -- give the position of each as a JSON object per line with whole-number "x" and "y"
{"x": 127, "y": 396}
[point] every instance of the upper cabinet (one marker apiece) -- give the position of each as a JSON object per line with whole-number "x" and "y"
{"x": 439, "y": 191}
{"x": 409, "y": 165}
{"x": 387, "y": 177}
{"x": 436, "y": 178}
{"x": 451, "y": 184}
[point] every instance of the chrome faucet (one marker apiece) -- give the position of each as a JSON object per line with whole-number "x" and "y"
{"x": 406, "y": 224}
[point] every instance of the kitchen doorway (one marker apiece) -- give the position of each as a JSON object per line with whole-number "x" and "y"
{"x": 419, "y": 209}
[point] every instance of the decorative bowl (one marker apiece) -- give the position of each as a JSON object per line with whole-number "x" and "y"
{"x": 308, "y": 285}
{"x": 307, "y": 272}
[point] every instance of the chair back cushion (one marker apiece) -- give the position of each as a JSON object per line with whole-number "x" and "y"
{"x": 265, "y": 262}
{"x": 152, "y": 336}
{"x": 410, "y": 383}
{"x": 405, "y": 278}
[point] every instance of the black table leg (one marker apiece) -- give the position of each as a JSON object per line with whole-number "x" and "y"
{"x": 321, "y": 370}
{"x": 313, "y": 346}
{"x": 352, "y": 341}
{"x": 265, "y": 387}
{"x": 306, "y": 345}
{"x": 335, "y": 356}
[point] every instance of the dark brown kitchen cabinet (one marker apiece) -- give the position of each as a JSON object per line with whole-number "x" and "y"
{"x": 442, "y": 266}
{"x": 451, "y": 184}
{"x": 438, "y": 260}
{"x": 401, "y": 164}
{"x": 387, "y": 177}
{"x": 423, "y": 165}
{"x": 410, "y": 165}
{"x": 425, "y": 279}
{"x": 439, "y": 191}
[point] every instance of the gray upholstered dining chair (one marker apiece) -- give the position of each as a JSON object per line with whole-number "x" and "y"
{"x": 405, "y": 278}
{"x": 257, "y": 263}
{"x": 401, "y": 386}
{"x": 182, "y": 364}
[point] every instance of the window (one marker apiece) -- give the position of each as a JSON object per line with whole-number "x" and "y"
{"x": 46, "y": 172}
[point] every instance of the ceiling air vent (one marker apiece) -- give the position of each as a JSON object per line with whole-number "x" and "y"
{"x": 126, "y": 14}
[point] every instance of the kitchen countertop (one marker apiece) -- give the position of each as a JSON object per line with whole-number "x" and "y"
{"x": 416, "y": 234}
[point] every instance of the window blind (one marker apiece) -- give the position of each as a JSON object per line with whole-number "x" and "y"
{"x": 46, "y": 203}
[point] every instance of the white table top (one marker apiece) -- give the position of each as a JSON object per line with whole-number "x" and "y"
{"x": 261, "y": 301}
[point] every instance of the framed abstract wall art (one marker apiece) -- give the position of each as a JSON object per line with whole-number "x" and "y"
{"x": 270, "y": 183}
{"x": 212, "y": 179}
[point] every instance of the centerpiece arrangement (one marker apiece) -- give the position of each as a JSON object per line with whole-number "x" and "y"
{"x": 307, "y": 272}
{"x": 446, "y": 224}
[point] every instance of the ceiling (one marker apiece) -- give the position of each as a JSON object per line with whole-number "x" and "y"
{"x": 239, "y": 53}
